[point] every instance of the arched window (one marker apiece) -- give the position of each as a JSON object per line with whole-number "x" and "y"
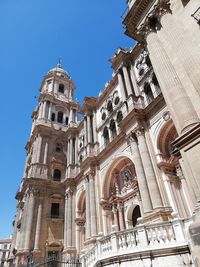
{"x": 110, "y": 106}
{"x": 61, "y": 88}
{"x": 60, "y": 117}
{"x": 66, "y": 120}
{"x": 148, "y": 93}
{"x": 58, "y": 147}
{"x": 154, "y": 80}
{"x": 53, "y": 116}
{"x": 113, "y": 129}
{"x": 119, "y": 116}
{"x": 135, "y": 215}
{"x": 148, "y": 61}
{"x": 116, "y": 101}
{"x": 106, "y": 136}
{"x": 57, "y": 175}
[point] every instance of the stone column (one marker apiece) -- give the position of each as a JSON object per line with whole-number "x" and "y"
{"x": 78, "y": 237}
{"x": 149, "y": 171}
{"x": 133, "y": 78}
{"x": 94, "y": 127}
{"x": 68, "y": 152}
{"x": 75, "y": 150}
{"x": 86, "y": 131}
{"x": 69, "y": 219}
{"x": 65, "y": 221}
{"x": 50, "y": 109}
{"x": 89, "y": 129}
{"x": 93, "y": 216}
{"x": 71, "y": 115}
{"x": 40, "y": 110}
{"x": 104, "y": 219}
{"x": 127, "y": 80}
{"x": 39, "y": 145}
{"x": 29, "y": 221}
{"x": 141, "y": 177}
{"x": 121, "y": 85}
{"x": 114, "y": 210}
{"x": 87, "y": 207}
{"x": 45, "y": 150}
{"x": 121, "y": 216}
{"x": 38, "y": 226}
{"x": 182, "y": 110}
{"x": 186, "y": 51}
{"x": 44, "y": 109}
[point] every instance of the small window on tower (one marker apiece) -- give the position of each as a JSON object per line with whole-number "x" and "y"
{"x": 54, "y": 210}
{"x": 61, "y": 88}
{"x": 57, "y": 175}
{"x": 60, "y": 117}
{"x": 66, "y": 120}
{"x": 53, "y": 116}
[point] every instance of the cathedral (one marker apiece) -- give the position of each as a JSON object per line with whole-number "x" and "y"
{"x": 116, "y": 181}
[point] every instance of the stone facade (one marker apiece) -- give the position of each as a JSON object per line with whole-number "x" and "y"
{"x": 119, "y": 185}
{"x": 5, "y": 245}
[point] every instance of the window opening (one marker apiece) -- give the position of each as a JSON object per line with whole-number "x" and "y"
{"x": 57, "y": 175}
{"x": 66, "y": 120}
{"x": 61, "y": 88}
{"x": 148, "y": 92}
{"x": 113, "y": 129}
{"x": 106, "y": 136}
{"x": 55, "y": 210}
{"x": 53, "y": 116}
{"x": 60, "y": 117}
{"x": 135, "y": 215}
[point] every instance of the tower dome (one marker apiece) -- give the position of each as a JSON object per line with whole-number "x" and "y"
{"x": 59, "y": 70}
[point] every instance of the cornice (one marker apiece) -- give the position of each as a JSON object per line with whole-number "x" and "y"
{"x": 138, "y": 19}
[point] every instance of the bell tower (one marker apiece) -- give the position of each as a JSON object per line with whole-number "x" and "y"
{"x": 50, "y": 167}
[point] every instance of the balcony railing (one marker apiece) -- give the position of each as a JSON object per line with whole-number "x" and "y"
{"x": 164, "y": 235}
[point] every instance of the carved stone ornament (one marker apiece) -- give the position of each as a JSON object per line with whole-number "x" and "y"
{"x": 152, "y": 21}
{"x": 139, "y": 131}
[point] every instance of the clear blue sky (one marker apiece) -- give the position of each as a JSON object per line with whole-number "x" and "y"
{"x": 34, "y": 34}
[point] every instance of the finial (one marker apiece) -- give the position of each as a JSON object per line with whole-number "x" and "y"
{"x": 59, "y": 62}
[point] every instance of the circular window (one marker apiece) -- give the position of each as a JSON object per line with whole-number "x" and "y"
{"x": 116, "y": 100}
{"x": 103, "y": 116}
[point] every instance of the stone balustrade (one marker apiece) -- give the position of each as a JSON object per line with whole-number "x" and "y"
{"x": 155, "y": 237}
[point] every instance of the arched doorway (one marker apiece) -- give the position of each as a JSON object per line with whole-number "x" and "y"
{"x": 120, "y": 187}
{"x": 135, "y": 215}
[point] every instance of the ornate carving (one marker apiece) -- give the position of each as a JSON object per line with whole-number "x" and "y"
{"x": 153, "y": 21}
{"x": 80, "y": 221}
{"x": 139, "y": 131}
{"x": 131, "y": 137}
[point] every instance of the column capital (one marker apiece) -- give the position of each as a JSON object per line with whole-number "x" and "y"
{"x": 80, "y": 221}
{"x": 152, "y": 22}
{"x": 131, "y": 137}
{"x": 69, "y": 192}
{"x": 33, "y": 192}
{"x": 139, "y": 131}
